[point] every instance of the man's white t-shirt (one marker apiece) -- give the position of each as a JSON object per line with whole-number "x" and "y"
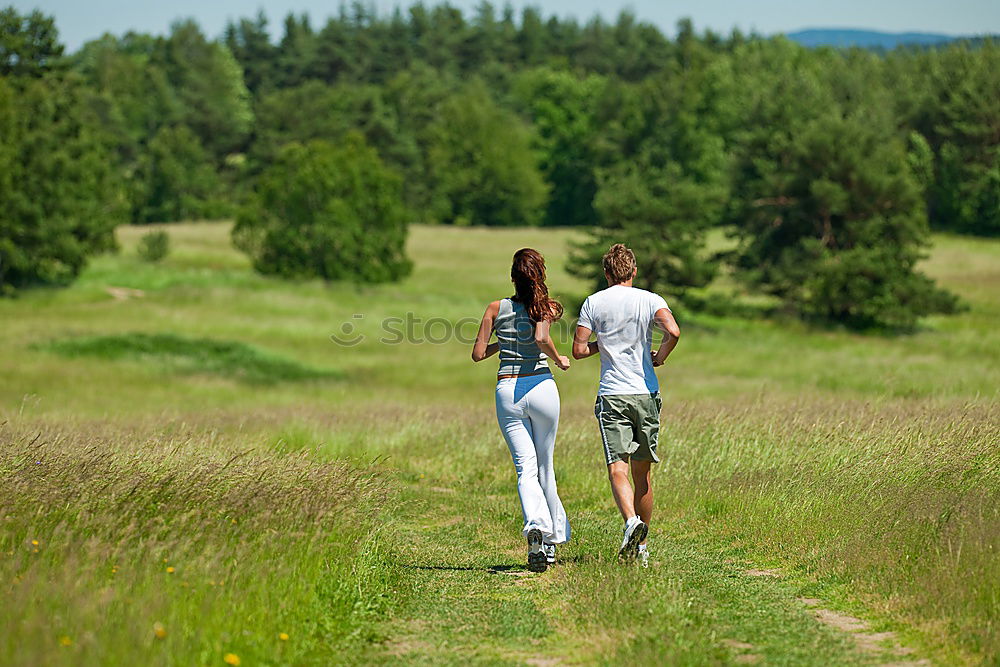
{"x": 622, "y": 318}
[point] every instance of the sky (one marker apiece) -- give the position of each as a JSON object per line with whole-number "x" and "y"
{"x": 81, "y": 20}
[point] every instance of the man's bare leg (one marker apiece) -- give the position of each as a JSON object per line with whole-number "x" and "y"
{"x": 621, "y": 488}
{"x": 643, "y": 494}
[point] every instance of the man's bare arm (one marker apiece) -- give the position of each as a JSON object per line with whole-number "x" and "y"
{"x": 583, "y": 347}
{"x": 664, "y": 319}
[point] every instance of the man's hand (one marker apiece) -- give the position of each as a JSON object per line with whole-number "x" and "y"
{"x": 562, "y": 362}
{"x": 660, "y": 355}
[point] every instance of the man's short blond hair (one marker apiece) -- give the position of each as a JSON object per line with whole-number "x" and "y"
{"x": 619, "y": 263}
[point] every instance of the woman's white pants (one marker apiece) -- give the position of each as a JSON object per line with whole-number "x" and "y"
{"x": 528, "y": 414}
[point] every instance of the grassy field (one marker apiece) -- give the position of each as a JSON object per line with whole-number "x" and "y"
{"x": 194, "y": 473}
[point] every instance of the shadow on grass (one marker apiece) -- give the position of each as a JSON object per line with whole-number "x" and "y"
{"x": 226, "y": 358}
{"x": 496, "y": 569}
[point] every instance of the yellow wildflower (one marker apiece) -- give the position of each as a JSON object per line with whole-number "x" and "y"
{"x": 170, "y": 570}
{"x": 283, "y": 636}
{"x": 65, "y": 641}
{"x": 232, "y": 659}
{"x": 159, "y": 630}
{"x": 34, "y": 543}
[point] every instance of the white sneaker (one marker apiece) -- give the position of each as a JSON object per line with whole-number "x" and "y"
{"x": 550, "y": 553}
{"x": 635, "y": 532}
{"x": 537, "y": 561}
{"x": 643, "y": 555}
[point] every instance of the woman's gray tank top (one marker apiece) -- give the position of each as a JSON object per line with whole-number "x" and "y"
{"x": 519, "y": 353}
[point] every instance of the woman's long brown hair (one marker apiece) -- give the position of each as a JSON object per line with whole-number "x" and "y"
{"x": 528, "y": 274}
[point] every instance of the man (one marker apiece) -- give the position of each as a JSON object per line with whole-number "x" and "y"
{"x": 628, "y": 400}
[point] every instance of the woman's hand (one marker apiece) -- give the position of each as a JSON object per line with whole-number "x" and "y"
{"x": 545, "y": 344}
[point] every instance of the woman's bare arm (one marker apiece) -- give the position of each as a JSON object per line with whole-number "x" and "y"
{"x": 545, "y": 344}
{"x": 483, "y": 348}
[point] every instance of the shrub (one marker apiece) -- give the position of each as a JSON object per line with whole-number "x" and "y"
{"x": 326, "y": 211}
{"x": 154, "y": 246}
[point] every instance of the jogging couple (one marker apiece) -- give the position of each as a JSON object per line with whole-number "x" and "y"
{"x": 628, "y": 402}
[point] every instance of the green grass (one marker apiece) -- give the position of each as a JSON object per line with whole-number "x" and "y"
{"x": 376, "y": 515}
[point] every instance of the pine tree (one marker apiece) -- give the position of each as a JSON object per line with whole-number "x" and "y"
{"x": 215, "y": 102}
{"x": 29, "y": 44}
{"x": 250, "y": 43}
{"x": 830, "y": 216}
{"x": 665, "y": 183}
{"x": 60, "y": 198}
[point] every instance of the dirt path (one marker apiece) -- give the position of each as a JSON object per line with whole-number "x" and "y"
{"x": 470, "y": 599}
{"x": 873, "y": 643}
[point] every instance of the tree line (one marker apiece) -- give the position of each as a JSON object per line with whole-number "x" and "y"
{"x": 827, "y": 167}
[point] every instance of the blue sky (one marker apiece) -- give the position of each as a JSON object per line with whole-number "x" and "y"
{"x": 81, "y": 20}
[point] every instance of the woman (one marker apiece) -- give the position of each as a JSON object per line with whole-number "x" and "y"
{"x": 527, "y": 399}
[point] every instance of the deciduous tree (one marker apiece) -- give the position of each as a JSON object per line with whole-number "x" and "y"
{"x": 483, "y": 168}
{"x": 328, "y": 211}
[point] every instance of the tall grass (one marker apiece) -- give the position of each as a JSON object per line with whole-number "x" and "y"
{"x": 894, "y": 504}
{"x": 866, "y": 468}
{"x": 180, "y": 550}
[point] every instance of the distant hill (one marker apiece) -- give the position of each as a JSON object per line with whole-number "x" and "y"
{"x": 868, "y": 39}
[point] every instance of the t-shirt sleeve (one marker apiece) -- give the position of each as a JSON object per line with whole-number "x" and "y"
{"x": 586, "y": 315}
{"x": 656, "y": 303}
